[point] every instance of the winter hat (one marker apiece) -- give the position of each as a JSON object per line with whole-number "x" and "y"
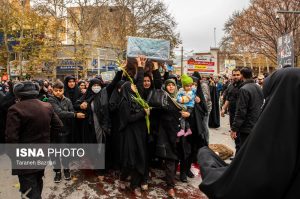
{"x": 26, "y": 89}
{"x": 168, "y": 81}
{"x": 186, "y": 80}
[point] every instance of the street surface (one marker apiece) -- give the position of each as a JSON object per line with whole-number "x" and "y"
{"x": 85, "y": 185}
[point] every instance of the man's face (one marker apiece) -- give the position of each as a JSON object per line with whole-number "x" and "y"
{"x": 147, "y": 82}
{"x": 260, "y": 81}
{"x": 58, "y": 92}
{"x": 71, "y": 83}
{"x": 236, "y": 76}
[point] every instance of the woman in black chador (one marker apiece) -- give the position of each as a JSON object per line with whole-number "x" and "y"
{"x": 134, "y": 133}
{"x": 96, "y": 125}
{"x": 268, "y": 164}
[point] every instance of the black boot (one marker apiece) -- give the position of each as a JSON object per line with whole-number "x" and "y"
{"x": 190, "y": 174}
{"x": 183, "y": 177}
{"x": 57, "y": 178}
{"x": 67, "y": 174}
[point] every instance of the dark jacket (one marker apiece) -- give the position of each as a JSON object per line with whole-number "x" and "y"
{"x": 65, "y": 111}
{"x": 248, "y": 107}
{"x": 31, "y": 121}
{"x": 232, "y": 95}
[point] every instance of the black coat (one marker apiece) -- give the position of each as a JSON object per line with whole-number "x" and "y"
{"x": 268, "y": 164}
{"x": 7, "y": 101}
{"x": 214, "y": 117}
{"x": 65, "y": 111}
{"x": 248, "y": 107}
{"x": 168, "y": 145}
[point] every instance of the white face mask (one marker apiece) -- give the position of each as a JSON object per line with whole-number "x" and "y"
{"x": 96, "y": 89}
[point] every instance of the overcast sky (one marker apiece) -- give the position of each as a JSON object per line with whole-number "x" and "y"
{"x": 197, "y": 18}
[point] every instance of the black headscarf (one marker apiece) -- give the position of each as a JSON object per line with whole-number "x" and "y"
{"x": 146, "y": 91}
{"x": 72, "y": 93}
{"x": 268, "y": 164}
{"x": 127, "y": 93}
{"x": 89, "y": 95}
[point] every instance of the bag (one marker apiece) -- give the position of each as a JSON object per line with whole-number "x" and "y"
{"x": 158, "y": 98}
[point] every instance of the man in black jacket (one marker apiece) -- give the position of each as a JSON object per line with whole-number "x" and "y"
{"x": 248, "y": 107}
{"x": 230, "y": 97}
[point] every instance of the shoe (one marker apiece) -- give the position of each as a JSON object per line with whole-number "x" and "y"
{"x": 180, "y": 133}
{"x": 57, "y": 178}
{"x": 100, "y": 178}
{"x": 137, "y": 192}
{"x": 183, "y": 178}
{"x": 123, "y": 185}
{"x": 144, "y": 187}
{"x": 188, "y": 132}
{"x": 190, "y": 174}
{"x": 67, "y": 174}
{"x": 171, "y": 193}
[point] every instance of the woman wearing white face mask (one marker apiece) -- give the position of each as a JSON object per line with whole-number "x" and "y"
{"x": 96, "y": 125}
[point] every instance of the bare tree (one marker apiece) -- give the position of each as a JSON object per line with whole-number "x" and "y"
{"x": 257, "y": 28}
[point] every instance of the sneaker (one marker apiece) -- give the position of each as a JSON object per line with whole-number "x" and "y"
{"x": 123, "y": 185}
{"x": 67, "y": 174}
{"x": 57, "y": 178}
{"x": 137, "y": 192}
{"x": 144, "y": 187}
{"x": 188, "y": 132}
{"x": 190, "y": 174}
{"x": 171, "y": 193}
{"x": 180, "y": 133}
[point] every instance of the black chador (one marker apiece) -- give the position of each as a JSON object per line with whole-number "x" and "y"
{"x": 268, "y": 164}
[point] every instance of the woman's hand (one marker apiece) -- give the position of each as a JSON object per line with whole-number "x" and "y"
{"x": 155, "y": 65}
{"x": 147, "y": 111}
{"x": 141, "y": 60}
{"x": 124, "y": 64}
{"x": 83, "y": 105}
{"x": 197, "y": 99}
{"x": 185, "y": 114}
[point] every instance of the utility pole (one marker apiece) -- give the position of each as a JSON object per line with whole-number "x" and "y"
{"x": 21, "y": 38}
{"x": 75, "y": 56}
{"x": 99, "y": 61}
{"x": 215, "y": 37}
{"x": 182, "y": 70}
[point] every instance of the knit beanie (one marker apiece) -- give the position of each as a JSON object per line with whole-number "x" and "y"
{"x": 186, "y": 80}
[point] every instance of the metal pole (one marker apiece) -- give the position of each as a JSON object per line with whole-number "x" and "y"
{"x": 182, "y": 61}
{"x": 215, "y": 37}
{"x": 99, "y": 65}
{"x": 21, "y": 38}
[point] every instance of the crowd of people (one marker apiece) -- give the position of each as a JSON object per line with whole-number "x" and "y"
{"x": 182, "y": 109}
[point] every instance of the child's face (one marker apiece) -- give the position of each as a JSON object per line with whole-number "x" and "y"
{"x": 58, "y": 92}
{"x": 188, "y": 87}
